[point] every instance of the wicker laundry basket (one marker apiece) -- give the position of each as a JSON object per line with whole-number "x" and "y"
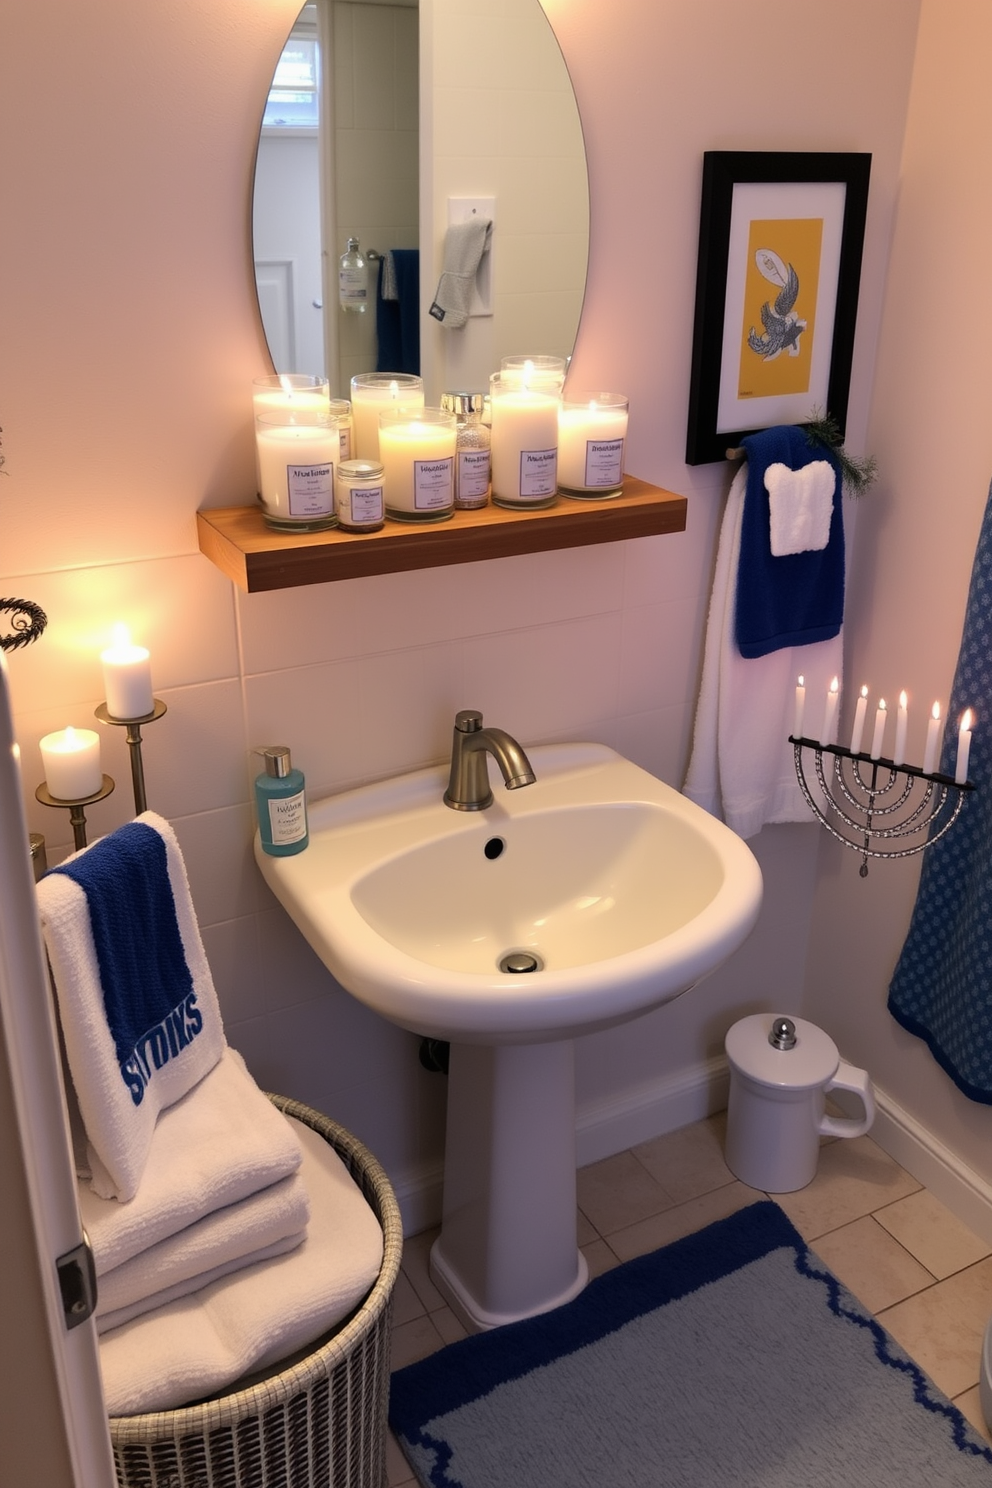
{"x": 320, "y": 1422}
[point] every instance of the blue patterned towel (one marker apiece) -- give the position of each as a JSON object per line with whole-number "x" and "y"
{"x": 797, "y": 599}
{"x": 942, "y": 986}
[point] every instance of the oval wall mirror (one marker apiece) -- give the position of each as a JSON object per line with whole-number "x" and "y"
{"x": 386, "y": 123}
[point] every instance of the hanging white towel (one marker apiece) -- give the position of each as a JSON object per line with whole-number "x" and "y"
{"x": 743, "y": 767}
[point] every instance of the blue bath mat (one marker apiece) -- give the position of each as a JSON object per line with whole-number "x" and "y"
{"x": 732, "y": 1357}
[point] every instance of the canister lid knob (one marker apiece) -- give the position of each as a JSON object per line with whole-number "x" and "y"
{"x": 783, "y": 1034}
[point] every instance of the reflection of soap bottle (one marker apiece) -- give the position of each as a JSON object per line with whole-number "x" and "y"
{"x": 282, "y": 804}
{"x": 353, "y": 279}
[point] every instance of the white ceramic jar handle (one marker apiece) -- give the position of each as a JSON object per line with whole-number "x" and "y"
{"x": 856, "y": 1080}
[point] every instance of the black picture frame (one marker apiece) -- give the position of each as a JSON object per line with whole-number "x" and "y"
{"x": 738, "y": 189}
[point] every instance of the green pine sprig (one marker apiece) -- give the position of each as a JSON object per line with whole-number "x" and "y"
{"x": 858, "y": 473}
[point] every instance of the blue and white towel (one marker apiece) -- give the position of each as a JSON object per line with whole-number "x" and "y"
{"x": 137, "y": 1004}
{"x": 942, "y": 986}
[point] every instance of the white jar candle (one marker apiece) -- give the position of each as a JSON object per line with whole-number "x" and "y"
{"x": 373, "y": 393}
{"x": 359, "y": 495}
{"x": 524, "y": 441}
{"x": 417, "y": 450}
{"x": 296, "y": 463}
{"x": 592, "y": 428}
{"x": 71, "y": 761}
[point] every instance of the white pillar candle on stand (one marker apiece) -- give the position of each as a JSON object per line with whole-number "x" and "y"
{"x": 592, "y": 428}
{"x": 524, "y": 441}
{"x": 879, "y": 735}
{"x": 127, "y": 677}
{"x": 860, "y": 713}
{"x": 296, "y": 469}
{"x": 830, "y": 712}
{"x": 417, "y": 451}
{"x": 373, "y": 393}
{"x": 797, "y": 727}
{"x": 964, "y": 748}
{"x": 933, "y": 740}
{"x": 71, "y": 761}
{"x": 902, "y": 719}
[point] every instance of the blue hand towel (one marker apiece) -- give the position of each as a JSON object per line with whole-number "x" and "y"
{"x": 796, "y": 599}
{"x": 397, "y": 309}
{"x": 942, "y": 986}
{"x": 137, "y": 1004}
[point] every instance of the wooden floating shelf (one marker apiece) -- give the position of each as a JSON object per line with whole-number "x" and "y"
{"x": 258, "y": 558}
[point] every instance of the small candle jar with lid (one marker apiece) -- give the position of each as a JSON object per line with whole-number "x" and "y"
{"x": 358, "y": 495}
{"x": 472, "y": 450}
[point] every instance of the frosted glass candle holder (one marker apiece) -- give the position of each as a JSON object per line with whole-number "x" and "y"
{"x": 524, "y": 440}
{"x": 297, "y": 455}
{"x": 373, "y": 393}
{"x": 592, "y": 430}
{"x": 417, "y": 451}
{"x": 533, "y": 368}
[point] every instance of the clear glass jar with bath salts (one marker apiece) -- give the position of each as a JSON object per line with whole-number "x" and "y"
{"x": 472, "y": 450}
{"x": 358, "y": 496}
{"x": 340, "y": 409}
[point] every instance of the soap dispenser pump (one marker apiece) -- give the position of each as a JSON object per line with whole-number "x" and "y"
{"x": 280, "y": 795}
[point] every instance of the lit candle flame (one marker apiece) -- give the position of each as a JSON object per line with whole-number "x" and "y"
{"x": 864, "y": 690}
{"x": 835, "y": 685}
{"x": 903, "y": 700}
{"x": 935, "y": 711}
{"x": 966, "y": 720}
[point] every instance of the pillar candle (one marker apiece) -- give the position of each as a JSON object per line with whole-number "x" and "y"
{"x": 797, "y": 728}
{"x": 879, "y": 735}
{"x": 417, "y": 451}
{"x": 964, "y": 748}
{"x": 933, "y": 740}
{"x": 860, "y": 713}
{"x": 127, "y": 677}
{"x": 296, "y": 468}
{"x": 524, "y": 442}
{"x": 71, "y": 761}
{"x": 902, "y": 719}
{"x": 591, "y": 433}
{"x": 371, "y": 394}
{"x": 830, "y": 712}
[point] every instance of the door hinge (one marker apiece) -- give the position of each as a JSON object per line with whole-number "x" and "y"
{"x": 77, "y": 1282}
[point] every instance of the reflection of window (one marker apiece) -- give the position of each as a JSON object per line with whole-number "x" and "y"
{"x": 293, "y": 98}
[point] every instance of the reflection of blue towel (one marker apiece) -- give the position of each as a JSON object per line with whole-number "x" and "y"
{"x": 397, "y": 320}
{"x": 942, "y": 986}
{"x": 799, "y": 598}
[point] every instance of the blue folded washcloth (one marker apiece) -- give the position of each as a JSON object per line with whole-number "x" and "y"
{"x": 798, "y": 598}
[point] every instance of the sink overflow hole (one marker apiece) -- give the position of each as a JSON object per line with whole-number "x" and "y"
{"x": 514, "y": 963}
{"x": 494, "y": 848}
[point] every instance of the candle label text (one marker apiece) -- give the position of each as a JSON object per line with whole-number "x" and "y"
{"x": 604, "y": 462}
{"x": 433, "y": 484}
{"x": 539, "y": 472}
{"x": 310, "y": 489}
{"x": 287, "y": 818}
{"x": 473, "y": 475}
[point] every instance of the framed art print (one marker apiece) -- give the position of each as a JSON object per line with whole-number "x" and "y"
{"x": 779, "y": 268}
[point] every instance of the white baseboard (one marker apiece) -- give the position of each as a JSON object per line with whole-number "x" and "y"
{"x": 965, "y": 1192}
{"x": 610, "y": 1125}
{"x": 418, "y": 1193}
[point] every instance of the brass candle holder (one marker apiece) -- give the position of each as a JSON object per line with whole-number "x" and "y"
{"x": 133, "y": 727}
{"x": 76, "y": 809}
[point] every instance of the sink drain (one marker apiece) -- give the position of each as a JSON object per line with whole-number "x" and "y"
{"x": 516, "y": 962}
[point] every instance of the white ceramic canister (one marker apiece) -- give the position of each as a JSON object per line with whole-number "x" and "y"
{"x": 780, "y": 1072}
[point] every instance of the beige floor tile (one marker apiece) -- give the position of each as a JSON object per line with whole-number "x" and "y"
{"x": 871, "y": 1264}
{"x": 586, "y": 1231}
{"x": 406, "y": 1304}
{"x": 970, "y": 1407}
{"x": 619, "y": 1191}
{"x": 942, "y": 1327}
{"x": 412, "y": 1341}
{"x": 853, "y": 1178}
{"x": 398, "y": 1470}
{"x": 416, "y": 1265}
{"x": 684, "y": 1219}
{"x": 599, "y": 1257}
{"x": 447, "y": 1324}
{"x": 934, "y": 1235}
{"x": 689, "y": 1162}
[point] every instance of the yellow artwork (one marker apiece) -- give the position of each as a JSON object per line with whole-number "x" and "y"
{"x": 780, "y": 293}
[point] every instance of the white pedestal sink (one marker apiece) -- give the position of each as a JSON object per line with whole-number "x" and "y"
{"x": 622, "y": 893}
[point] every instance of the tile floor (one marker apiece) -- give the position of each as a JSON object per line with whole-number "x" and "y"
{"x": 925, "y": 1276}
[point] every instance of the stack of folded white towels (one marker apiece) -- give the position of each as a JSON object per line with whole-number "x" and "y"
{"x": 224, "y": 1235}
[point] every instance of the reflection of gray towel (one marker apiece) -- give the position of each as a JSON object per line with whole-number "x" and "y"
{"x": 464, "y": 245}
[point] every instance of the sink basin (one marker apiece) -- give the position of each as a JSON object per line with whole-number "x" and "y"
{"x": 622, "y": 891}
{"x": 614, "y": 889}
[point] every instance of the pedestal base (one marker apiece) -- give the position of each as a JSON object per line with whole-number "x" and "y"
{"x": 508, "y": 1248}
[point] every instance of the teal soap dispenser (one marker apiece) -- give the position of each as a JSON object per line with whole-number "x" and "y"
{"x": 280, "y": 795}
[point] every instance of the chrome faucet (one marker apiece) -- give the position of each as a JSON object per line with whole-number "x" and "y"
{"x": 468, "y": 786}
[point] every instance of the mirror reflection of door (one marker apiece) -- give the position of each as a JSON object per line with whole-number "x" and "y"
{"x": 337, "y": 159}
